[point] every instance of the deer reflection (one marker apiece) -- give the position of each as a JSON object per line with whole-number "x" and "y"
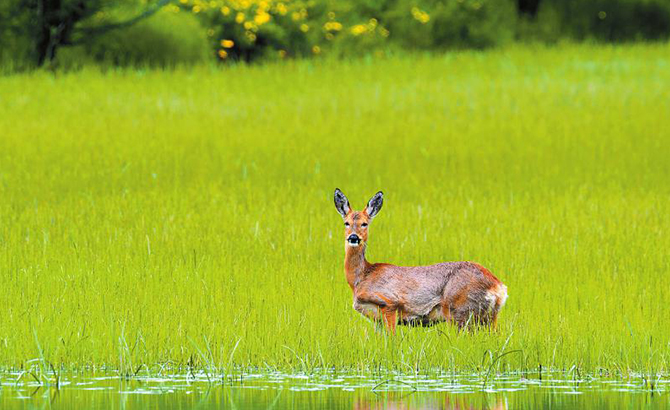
{"x": 431, "y": 402}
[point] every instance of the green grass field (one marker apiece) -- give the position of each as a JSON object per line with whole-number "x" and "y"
{"x": 186, "y": 216}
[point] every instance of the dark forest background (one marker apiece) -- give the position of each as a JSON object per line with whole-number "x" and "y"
{"x": 34, "y": 33}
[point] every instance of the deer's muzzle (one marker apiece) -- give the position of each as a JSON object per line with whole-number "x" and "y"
{"x": 354, "y": 240}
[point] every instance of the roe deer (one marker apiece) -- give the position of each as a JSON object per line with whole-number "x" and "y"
{"x": 461, "y": 292}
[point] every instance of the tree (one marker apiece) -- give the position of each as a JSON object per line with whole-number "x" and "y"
{"x": 51, "y": 24}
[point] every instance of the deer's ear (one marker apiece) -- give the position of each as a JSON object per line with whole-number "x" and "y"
{"x": 341, "y": 203}
{"x": 375, "y": 204}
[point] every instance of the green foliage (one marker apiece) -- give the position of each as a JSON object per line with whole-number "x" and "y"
{"x": 193, "y": 207}
{"x": 162, "y": 40}
{"x": 452, "y": 24}
{"x": 605, "y": 20}
{"x": 40, "y": 28}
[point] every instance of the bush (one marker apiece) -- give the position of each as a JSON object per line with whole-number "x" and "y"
{"x": 247, "y": 29}
{"x": 163, "y": 40}
{"x": 452, "y": 24}
{"x": 250, "y": 29}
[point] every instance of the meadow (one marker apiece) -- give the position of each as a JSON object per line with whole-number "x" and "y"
{"x": 183, "y": 218}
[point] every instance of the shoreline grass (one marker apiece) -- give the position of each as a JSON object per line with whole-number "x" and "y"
{"x": 186, "y": 215}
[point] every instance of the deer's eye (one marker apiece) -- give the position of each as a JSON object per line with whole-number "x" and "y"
{"x": 346, "y": 224}
{"x": 364, "y": 224}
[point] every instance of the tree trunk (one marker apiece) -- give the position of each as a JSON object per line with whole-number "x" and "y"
{"x": 528, "y": 7}
{"x": 49, "y": 13}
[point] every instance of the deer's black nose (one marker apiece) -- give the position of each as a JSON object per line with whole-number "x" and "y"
{"x": 354, "y": 239}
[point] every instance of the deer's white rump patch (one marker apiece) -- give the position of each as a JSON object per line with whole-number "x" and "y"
{"x": 497, "y": 296}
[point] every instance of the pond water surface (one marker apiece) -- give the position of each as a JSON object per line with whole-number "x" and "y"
{"x": 281, "y": 391}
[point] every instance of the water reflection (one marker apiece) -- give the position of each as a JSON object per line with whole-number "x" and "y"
{"x": 428, "y": 401}
{"x": 350, "y": 392}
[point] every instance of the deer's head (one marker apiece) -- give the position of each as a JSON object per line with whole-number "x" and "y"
{"x": 356, "y": 222}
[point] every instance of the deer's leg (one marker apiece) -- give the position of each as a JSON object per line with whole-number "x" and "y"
{"x": 493, "y": 323}
{"x": 446, "y": 313}
{"x": 456, "y": 316}
{"x": 390, "y": 317}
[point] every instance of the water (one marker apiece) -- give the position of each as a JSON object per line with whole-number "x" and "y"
{"x": 281, "y": 391}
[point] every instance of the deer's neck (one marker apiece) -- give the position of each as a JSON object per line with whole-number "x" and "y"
{"x": 355, "y": 264}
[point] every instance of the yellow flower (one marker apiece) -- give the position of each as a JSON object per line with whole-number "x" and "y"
{"x": 329, "y": 36}
{"x": 212, "y": 4}
{"x": 227, "y": 43}
{"x": 316, "y": 49}
{"x": 250, "y": 36}
{"x": 304, "y": 28}
{"x": 225, "y": 10}
{"x": 223, "y": 54}
{"x": 183, "y": 1}
{"x": 196, "y": 9}
{"x": 240, "y": 17}
{"x": 384, "y": 32}
{"x": 296, "y": 16}
{"x": 282, "y": 9}
{"x": 332, "y": 26}
{"x": 420, "y": 15}
{"x": 262, "y": 18}
{"x": 358, "y": 29}
{"x": 248, "y": 25}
